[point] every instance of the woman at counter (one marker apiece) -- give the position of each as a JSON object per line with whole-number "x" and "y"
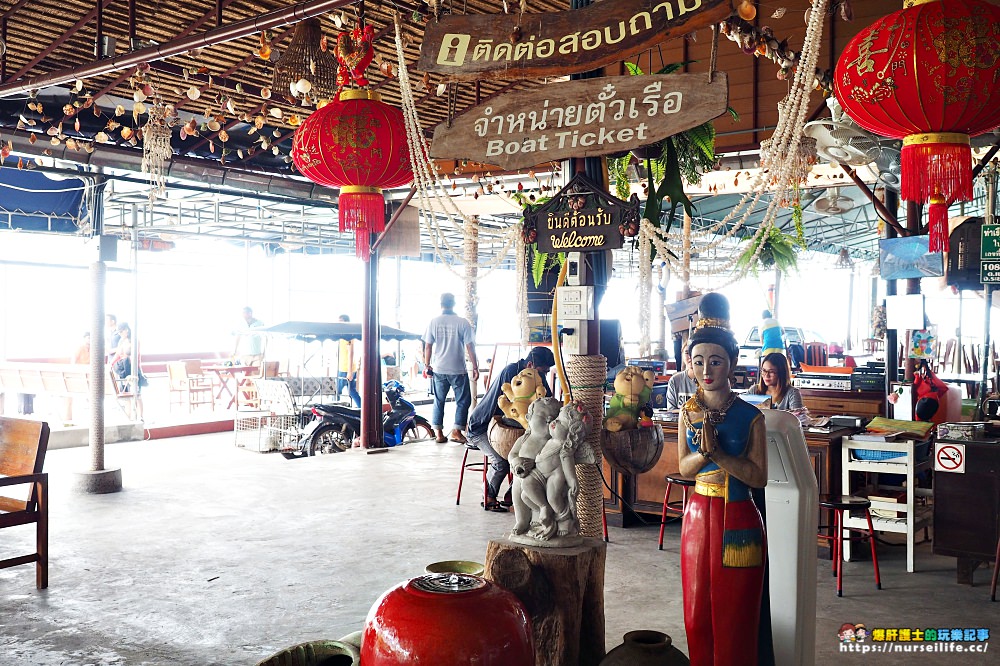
{"x": 775, "y": 381}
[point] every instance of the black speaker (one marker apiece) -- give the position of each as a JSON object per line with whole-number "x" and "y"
{"x": 964, "y": 247}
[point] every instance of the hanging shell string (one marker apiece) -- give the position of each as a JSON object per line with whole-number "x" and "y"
{"x": 428, "y": 185}
{"x": 645, "y": 289}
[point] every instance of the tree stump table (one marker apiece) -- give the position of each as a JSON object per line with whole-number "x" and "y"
{"x": 563, "y": 592}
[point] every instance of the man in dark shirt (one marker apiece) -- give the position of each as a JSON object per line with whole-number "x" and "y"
{"x": 542, "y": 360}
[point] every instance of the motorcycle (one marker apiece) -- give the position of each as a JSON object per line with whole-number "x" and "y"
{"x": 335, "y": 426}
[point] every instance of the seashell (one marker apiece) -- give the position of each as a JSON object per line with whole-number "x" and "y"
{"x": 183, "y": 132}
{"x": 138, "y": 109}
{"x": 239, "y": 153}
{"x": 147, "y": 90}
{"x": 276, "y": 113}
{"x": 139, "y": 96}
{"x": 223, "y": 136}
{"x": 52, "y": 131}
{"x": 143, "y": 67}
{"x": 127, "y": 132}
{"x": 69, "y": 109}
{"x": 214, "y": 125}
{"x": 78, "y": 85}
{"x": 89, "y": 147}
{"x": 193, "y": 93}
{"x": 32, "y": 138}
{"x": 112, "y": 125}
{"x": 276, "y": 133}
{"x": 302, "y": 86}
{"x": 71, "y": 144}
{"x": 120, "y": 110}
{"x": 746, "y": 10}
{"x": 55, "y": 141}
{"x": 265, "y": 93}
{"x": 258, "y": 121}
{"x": 230, "y": 106}
{"x": 276, "y": 150}
{"x": 239, "y": 87}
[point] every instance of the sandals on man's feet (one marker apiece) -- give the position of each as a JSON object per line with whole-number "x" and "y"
{"x": 493, "y": 505}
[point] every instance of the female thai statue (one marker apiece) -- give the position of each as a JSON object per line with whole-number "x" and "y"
{"x": 722, "y": 444}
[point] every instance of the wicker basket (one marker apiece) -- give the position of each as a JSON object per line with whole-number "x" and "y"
{"x": 633, "y": 451}
{"x": 502, "y": 437}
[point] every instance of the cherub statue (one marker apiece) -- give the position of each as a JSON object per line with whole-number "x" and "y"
{"x": 633, "y": 387}
{"x": 519, "y": 393}
{"x": 545, "y": 483}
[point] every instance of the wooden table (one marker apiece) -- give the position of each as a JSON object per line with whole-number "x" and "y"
{"x": 230, "y": 373}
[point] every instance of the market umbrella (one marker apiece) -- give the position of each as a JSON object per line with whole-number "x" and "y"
{"x": 339, "y": 330}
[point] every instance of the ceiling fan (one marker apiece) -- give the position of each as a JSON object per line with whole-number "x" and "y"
{"x": 840, "y": 140}
{"x": 833, "y": 203}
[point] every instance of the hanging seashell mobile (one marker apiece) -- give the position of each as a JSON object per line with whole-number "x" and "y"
{"x": 156, "y": 150}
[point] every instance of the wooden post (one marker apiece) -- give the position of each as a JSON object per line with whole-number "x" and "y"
{"x": 563, "y": 592}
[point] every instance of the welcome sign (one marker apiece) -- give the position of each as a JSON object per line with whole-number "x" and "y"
{"x": 581, "y": 217}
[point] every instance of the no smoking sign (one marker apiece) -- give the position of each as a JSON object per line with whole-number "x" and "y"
{"x": 949, "y": 457}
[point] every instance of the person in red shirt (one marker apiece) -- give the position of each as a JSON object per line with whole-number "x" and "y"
{"x": 930, "y": 390}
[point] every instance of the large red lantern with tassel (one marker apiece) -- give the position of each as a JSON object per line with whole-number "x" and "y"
{"x": 927, "y": 74}
{"x": 357, "y": 143}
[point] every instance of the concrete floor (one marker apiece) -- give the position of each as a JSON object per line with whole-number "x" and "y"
{"x": 217, "y": 555}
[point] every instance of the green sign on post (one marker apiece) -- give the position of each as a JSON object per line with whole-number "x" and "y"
{"x": 989, "y": 271}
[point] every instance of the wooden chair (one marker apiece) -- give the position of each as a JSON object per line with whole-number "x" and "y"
{"x": 22, "y": 454}
{"x": 816, "y": 354}
{"x": 124, "y": 394}
{"x": 246, "y": 396}
{"x": 189, "y": 385}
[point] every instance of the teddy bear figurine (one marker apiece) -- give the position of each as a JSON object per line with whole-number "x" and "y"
{"x": 518, "y": 393}
{"x": 633, "y": 386}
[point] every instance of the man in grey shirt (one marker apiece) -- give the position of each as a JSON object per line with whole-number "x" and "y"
{"x": 446, "y": 342}
{"x": 682, "y": 385}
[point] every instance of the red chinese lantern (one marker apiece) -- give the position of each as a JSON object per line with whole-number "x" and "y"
{"x": 356, "y": 143}
{"x": 926, "y": 75}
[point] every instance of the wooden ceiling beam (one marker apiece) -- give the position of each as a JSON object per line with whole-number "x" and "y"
{"x": 212, "y": 37}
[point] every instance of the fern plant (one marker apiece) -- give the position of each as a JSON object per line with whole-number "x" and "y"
{"x": 778, "y": 251}
{"x": 683, "y": 157}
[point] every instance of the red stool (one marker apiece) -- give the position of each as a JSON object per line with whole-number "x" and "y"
{"x": 674, "y": 478}
{"x": 473, "y": 465}
{"x": 839, "y": 504}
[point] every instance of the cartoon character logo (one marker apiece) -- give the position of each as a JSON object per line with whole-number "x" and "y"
{"x": 846, "y": 633}
{"x": 860, "y": 632}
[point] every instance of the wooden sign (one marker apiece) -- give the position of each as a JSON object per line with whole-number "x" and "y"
{"x": 581, "y": 119}
{"x": 582, "y": 217}
{"x": 467, "y": 47}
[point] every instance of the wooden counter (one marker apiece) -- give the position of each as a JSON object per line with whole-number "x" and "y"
{"x": 644, "y": 493}
{"x": 967, "y": 509}
{"x": 821, "y": 402}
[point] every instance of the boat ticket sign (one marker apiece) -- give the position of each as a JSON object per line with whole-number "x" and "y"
{"x": 469, "y": 47}
{"x": 585, "y": 118}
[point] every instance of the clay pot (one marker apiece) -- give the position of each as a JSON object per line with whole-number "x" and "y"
{"x": 316, "y": 653}
{"x": 447, "y": 619}
{"x": 502, "y": 437}
{"x": 633, "y": 451}
{"x": 645, "y": 648}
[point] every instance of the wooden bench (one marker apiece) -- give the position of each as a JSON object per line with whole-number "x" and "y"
{"x": 22, "y": 454}
{"x": 55, "y": 379}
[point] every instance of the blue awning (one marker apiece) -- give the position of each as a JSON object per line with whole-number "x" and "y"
{"x": 32, "y": 201}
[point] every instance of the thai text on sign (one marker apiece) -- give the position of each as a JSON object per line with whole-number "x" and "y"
{"x": 581, "y": 119}
{"x": 512, "y": 46}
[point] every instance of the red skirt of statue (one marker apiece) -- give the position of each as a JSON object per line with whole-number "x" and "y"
{"x": 721, "y": 603}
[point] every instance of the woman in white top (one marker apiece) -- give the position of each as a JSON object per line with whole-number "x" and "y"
{"x": 775, "y": 381}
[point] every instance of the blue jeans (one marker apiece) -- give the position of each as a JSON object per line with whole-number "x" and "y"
{"x": 499, "y": 467}
{"x": 440, "y": 384}
{"x": 351, "y": 386}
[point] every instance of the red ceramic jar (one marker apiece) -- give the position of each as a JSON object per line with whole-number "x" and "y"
{"x": 445, "y": 620}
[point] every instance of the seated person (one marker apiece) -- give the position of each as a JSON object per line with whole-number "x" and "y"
{"x": 682, "y": 385}
{"x": 775, "y": 381}
{"x": 930, "y": 390}
{"x": 540, "y": 358}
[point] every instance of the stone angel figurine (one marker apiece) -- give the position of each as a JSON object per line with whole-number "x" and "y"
{"x": 544, "y": 463}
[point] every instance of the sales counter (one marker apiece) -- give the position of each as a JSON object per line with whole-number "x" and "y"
{"x": 644, "y": 492}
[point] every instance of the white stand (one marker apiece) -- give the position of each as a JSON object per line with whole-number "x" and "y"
{"x": 911, "y": 520}
{"x": 792, "y": 501}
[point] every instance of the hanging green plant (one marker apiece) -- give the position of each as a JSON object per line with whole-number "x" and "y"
{"x": 778, "y": 251}
{"x": 680, "y": 158}
{"x": 540, "y": 262}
